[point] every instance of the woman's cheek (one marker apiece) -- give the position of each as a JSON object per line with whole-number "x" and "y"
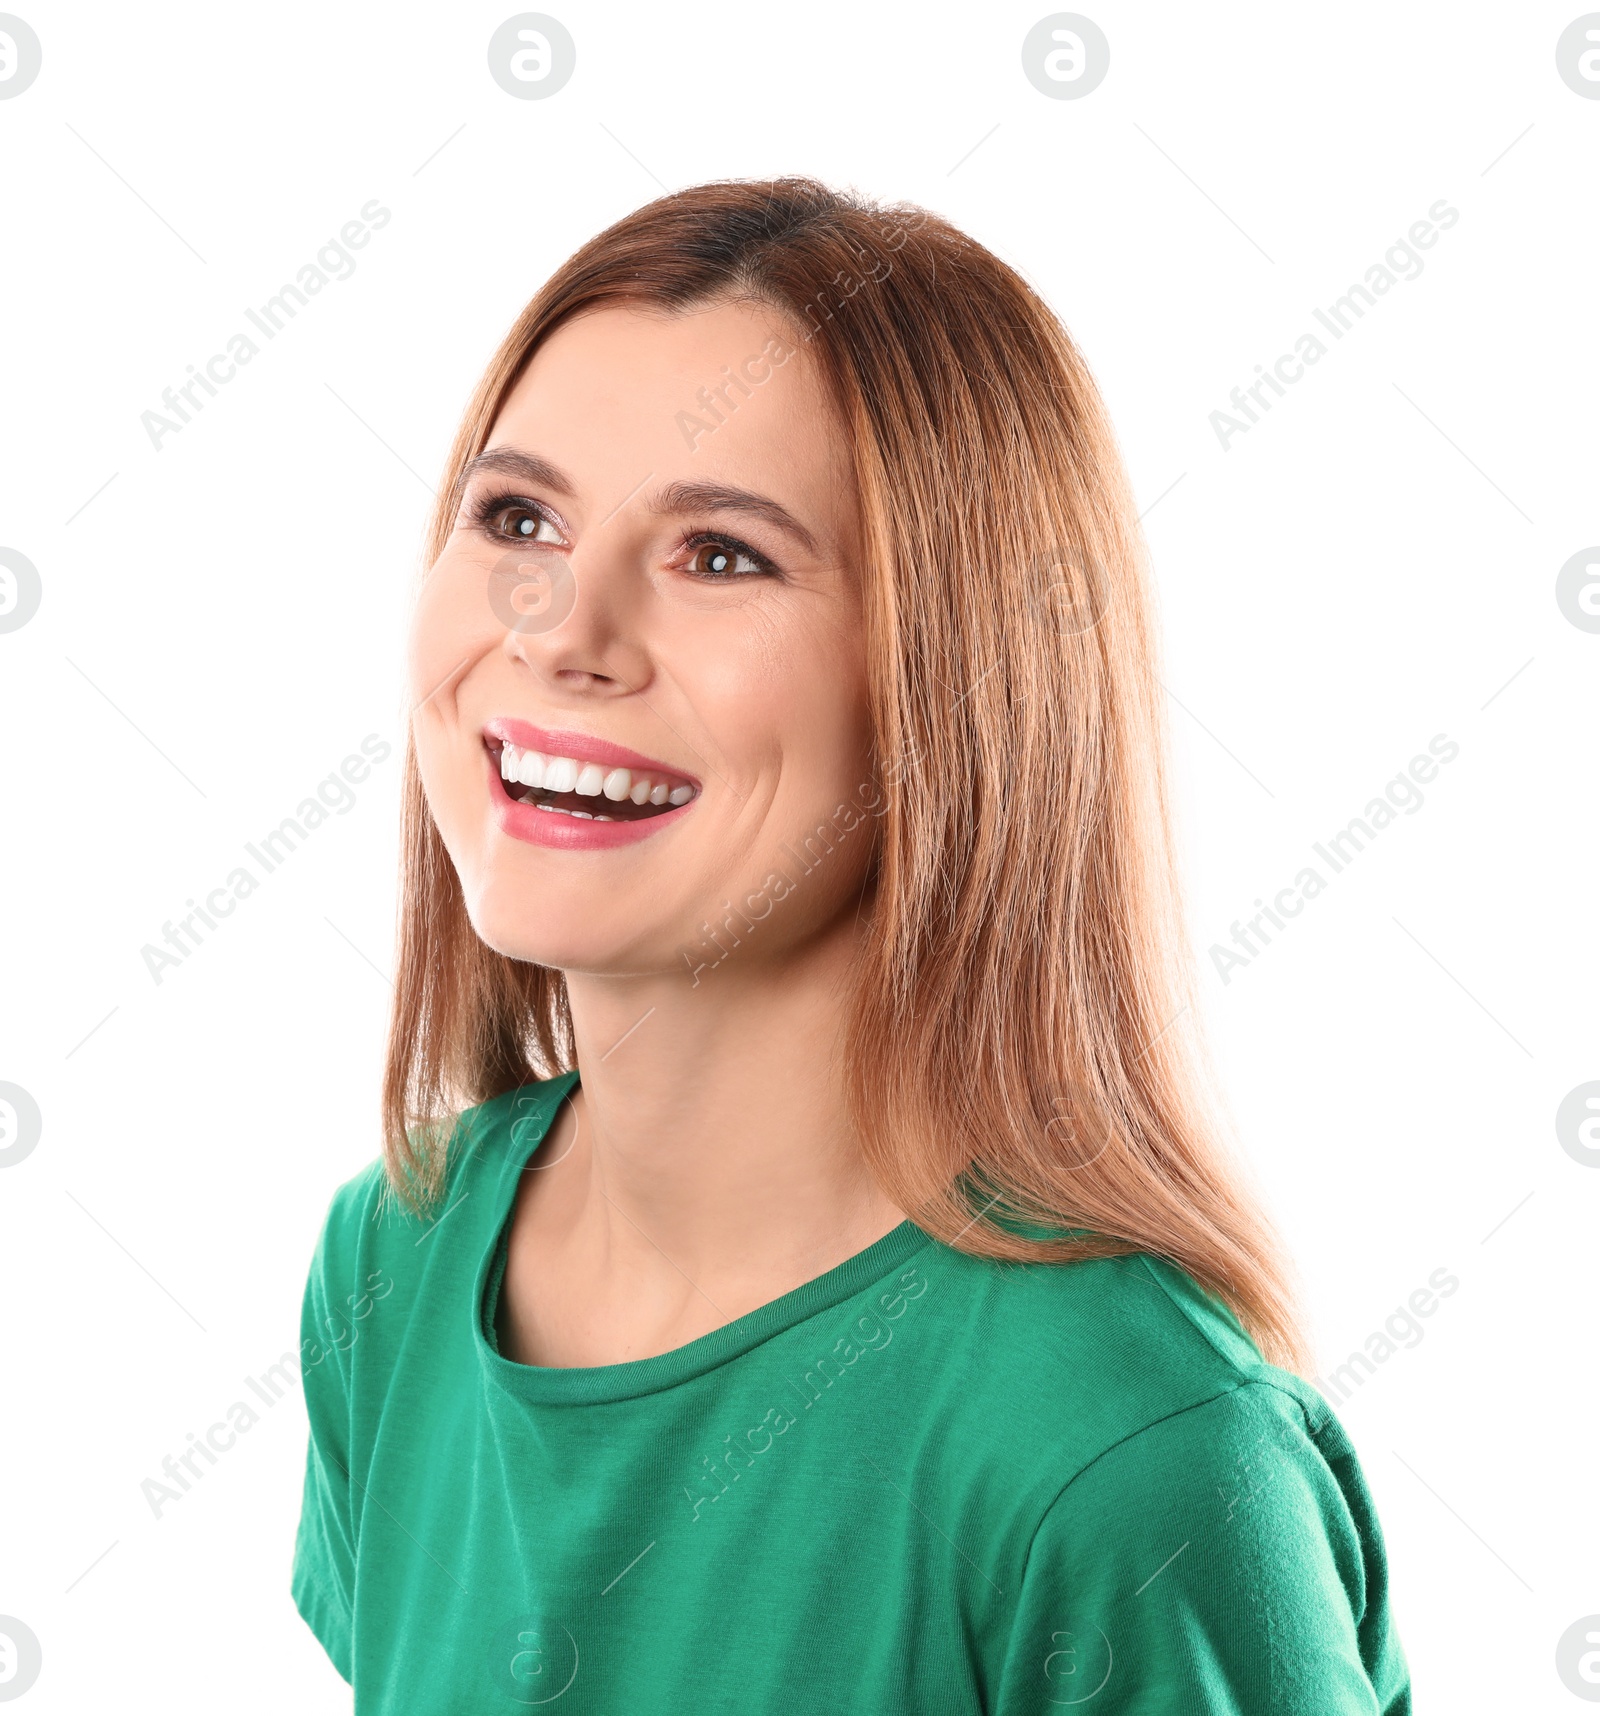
{"x": 451, "y": 617}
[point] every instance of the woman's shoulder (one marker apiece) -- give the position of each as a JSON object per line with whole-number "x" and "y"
{"x": 1156, "y": 1466}
{"x": 1180, "y": 1544}
{"x": 1102, "y": 1317}
{"x": 1086, "y": 1356}
{"x": 368, "y": 1223}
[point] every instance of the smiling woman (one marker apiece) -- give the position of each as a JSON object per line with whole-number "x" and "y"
{"x": 870, "y": 662}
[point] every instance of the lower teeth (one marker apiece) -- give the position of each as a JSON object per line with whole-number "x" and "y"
{"x": 588, "y": 816}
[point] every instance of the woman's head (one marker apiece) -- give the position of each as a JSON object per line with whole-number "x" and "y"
{"x": 948, "y": 683}
{"x": 647, "y": 594}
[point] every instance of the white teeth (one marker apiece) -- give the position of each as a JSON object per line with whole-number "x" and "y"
{"x": 566, "y": 774}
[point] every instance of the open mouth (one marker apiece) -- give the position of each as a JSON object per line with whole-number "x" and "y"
{"x": 565, "y": 786}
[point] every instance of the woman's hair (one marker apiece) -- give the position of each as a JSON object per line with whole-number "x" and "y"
{"x": 1022, "y": 1064}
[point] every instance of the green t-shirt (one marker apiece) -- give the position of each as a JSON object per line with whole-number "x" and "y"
{"x": 922, "y": 1483}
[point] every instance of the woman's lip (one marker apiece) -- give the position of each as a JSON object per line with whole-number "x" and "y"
{"x": 569, "y": 833}
{"x": 581, "y": 747}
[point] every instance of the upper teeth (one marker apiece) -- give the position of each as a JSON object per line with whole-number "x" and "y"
{"x": 566, "y": 774}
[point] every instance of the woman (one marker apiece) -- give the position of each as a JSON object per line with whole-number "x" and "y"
{"x": 830, "y": 1297}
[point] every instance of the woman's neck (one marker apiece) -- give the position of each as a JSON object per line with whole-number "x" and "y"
{"x": 705, "y": 1165}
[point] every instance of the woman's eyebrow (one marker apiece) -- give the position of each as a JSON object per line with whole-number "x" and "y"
{"x": 696, "y": 497}
{"x": 529, "y": 467}
{"x": 678, "y": 497}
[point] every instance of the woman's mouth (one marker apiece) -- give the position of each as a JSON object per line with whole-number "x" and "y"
{"x": 595, "y": 792}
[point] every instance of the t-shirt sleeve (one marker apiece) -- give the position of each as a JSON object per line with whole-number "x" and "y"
{"x": 323, "y": 1583}
{"x": 1225, "y": 1559}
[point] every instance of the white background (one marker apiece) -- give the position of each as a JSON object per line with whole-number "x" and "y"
{"x": 222, "y": 623}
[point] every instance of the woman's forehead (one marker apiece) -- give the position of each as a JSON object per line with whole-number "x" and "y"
{"x": 724, "y": 393}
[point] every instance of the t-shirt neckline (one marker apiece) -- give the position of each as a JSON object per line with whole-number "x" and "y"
{"x": 593, "y": 1385}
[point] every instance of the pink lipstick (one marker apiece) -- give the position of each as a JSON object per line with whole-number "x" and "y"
{"x": 575, "y": 792}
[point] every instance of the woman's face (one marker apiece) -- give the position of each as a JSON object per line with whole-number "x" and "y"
{"x": 637, "y": 669}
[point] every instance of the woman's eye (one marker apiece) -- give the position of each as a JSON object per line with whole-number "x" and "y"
{"x": 713, "y": 560}
{"x": 522, "y": 524}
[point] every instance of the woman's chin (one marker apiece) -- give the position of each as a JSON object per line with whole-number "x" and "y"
{"x": 609, "y": 951}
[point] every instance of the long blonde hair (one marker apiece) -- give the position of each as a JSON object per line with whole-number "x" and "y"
{"x": 1024, "y": 1067}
